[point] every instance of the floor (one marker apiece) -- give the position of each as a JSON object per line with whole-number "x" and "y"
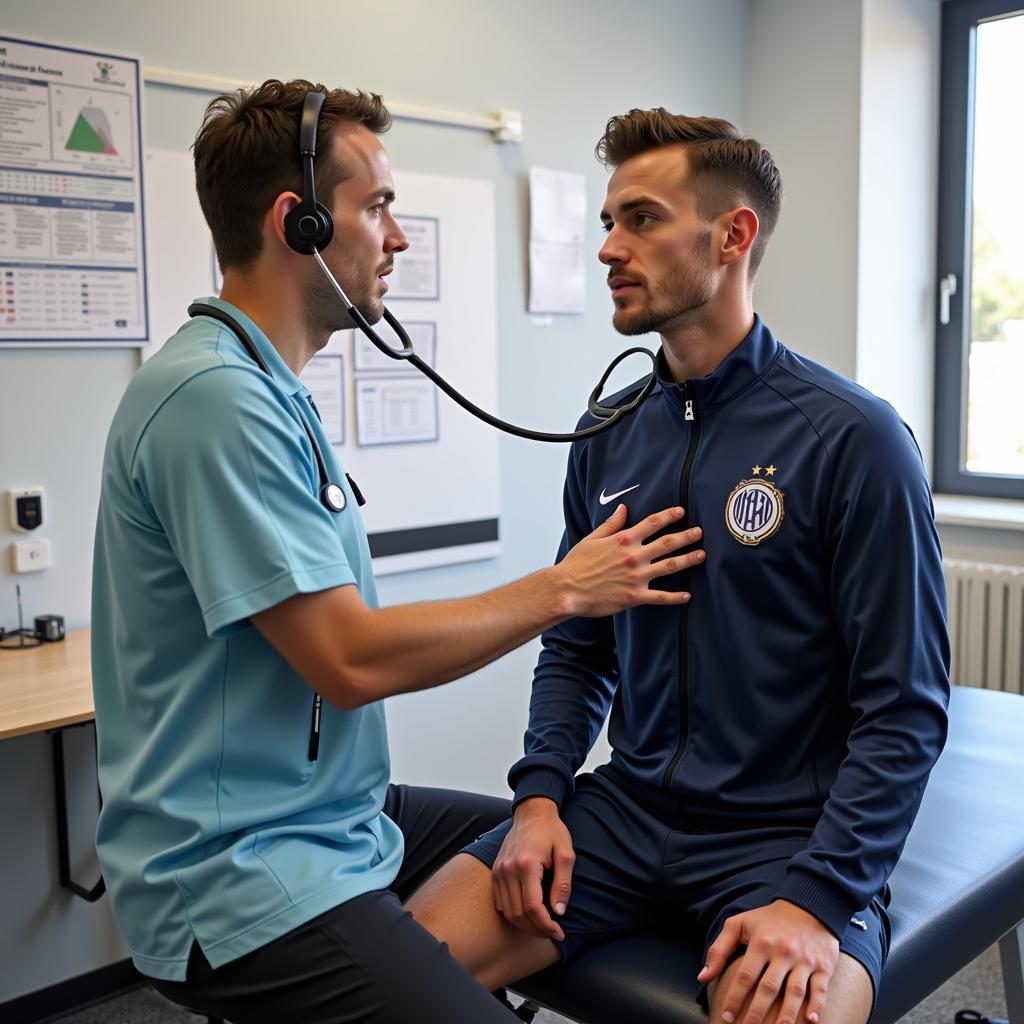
{"x": 979, "y": 986}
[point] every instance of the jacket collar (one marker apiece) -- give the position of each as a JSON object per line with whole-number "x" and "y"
{"x": 733, "y": 375}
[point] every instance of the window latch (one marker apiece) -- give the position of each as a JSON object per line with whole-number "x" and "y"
{"x": 947, "y": 289}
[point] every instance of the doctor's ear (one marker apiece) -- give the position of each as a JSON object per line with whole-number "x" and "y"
{"x": 741, "y": 227}
{"x": 283, "y": 205}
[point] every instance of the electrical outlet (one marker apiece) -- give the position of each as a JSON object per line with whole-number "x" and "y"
{"x": 30, "y": 555}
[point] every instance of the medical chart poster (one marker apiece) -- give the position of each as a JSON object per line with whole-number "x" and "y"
{"x": 72, "y": 236}
{"x": 396, "y": 410}
{"x": 417, "y": 274}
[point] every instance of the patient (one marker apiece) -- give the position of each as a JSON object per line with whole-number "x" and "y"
{"x": 772, "y": 740}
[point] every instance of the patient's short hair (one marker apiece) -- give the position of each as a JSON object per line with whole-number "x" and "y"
{"x": 724, "y": 168}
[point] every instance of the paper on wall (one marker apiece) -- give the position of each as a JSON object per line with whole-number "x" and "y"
{"x": 558, "y": 206}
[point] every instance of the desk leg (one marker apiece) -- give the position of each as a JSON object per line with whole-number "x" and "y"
{"x": 1011, "y": 953}
{"x": 63, "y": 851}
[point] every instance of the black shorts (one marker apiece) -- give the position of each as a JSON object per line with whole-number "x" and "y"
{"x": 635, "y": 870}
{"x": 366, "y": 961}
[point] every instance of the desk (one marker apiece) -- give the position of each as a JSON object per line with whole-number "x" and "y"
{"x": 49, "y": 689}
{"x": 46, "y": 687}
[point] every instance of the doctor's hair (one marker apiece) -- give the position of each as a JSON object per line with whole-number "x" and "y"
{"x": 724, "y": 169}
{"x": 247, "y": 154}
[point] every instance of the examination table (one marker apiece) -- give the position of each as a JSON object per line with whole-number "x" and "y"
{"x": 957, "y": 889}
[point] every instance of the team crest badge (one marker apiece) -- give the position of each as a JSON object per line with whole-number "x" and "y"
{"x": 754, "y": 510}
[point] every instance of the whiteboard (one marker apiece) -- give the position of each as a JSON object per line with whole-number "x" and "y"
{"x": 179, "y": 249}
{"x": 428, "y": 504}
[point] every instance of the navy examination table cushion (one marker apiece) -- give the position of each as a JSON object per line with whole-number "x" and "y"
{"x": 958, "y": 888}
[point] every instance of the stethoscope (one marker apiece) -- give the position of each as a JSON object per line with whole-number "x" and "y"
{"x": 332, "y": 495}
{"x": 309, "y": 228}
{"x": 608, "y": 417}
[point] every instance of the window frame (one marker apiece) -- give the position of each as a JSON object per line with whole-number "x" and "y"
{"x": 960, "y": 19}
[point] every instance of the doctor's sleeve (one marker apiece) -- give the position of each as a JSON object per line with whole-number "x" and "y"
{"x": 227, "y": 469}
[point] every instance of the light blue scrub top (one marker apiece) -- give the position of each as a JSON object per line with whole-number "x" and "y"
{"x": 216, "y": 828}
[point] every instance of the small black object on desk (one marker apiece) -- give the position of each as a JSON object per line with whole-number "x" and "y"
{"x": 48, "y": 629}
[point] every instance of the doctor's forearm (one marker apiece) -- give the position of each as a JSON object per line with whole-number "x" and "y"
{"x": 414, "y": 647}
{"x": 417, "y": 646}
{"x": 353, "y": 654}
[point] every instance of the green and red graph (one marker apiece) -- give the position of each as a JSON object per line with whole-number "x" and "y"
{"x": 91, "y": 133}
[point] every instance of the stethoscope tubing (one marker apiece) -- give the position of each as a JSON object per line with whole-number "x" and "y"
{"x": 331, "y": 494}
{"x": 607, "y": 417}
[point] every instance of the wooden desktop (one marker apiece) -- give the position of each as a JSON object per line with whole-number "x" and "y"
{"x": 46, "y": 687}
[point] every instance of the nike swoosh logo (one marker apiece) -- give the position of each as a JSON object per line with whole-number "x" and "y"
{"x": 605, "y": 498}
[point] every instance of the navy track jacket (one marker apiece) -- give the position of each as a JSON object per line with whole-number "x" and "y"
{"x": 807, "y": 680}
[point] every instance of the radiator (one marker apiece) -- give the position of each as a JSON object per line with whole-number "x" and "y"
{"x": 986, "y": 624}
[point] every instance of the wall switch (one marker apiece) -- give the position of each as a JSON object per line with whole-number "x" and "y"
{"x": 30, "y": 555}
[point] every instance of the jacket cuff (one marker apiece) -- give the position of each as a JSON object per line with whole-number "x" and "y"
{"x": 541, "y": 782}
{"x": 826, "y": 901}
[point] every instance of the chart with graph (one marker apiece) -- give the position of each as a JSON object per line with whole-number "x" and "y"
{"x": 92, "y": 127}
{"x": 72, "y": 222}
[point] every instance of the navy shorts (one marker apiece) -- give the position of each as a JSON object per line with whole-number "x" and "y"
{"x": 637, "y": 869}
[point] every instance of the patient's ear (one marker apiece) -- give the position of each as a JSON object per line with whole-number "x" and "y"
{"x": 740, "y": 230}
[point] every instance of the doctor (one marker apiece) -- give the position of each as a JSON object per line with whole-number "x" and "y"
{"x": 255, "y": 855}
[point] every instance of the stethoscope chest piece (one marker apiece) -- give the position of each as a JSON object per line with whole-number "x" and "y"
{"x": 333, "y": 497}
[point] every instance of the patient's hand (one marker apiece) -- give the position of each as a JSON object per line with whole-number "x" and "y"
{"x": 791, "y": 956}
{"x": 537, "y": 842}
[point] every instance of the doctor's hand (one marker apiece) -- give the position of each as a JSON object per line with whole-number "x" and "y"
{"x": 790, "y": 959}
{"x": 537, "y": 842}
{"x": 610, "y": 569}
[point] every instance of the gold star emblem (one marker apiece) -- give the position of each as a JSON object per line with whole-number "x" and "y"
{"x": 756, "y": 471}
{"x": 770, "y": 471}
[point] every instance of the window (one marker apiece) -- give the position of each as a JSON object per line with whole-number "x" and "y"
{"x": 979, "y": 395}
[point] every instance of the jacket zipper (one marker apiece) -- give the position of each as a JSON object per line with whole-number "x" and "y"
{"x": 690, "y": 406}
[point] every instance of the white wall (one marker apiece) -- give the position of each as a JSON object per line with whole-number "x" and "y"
{"x": 898, "y": 199}
{"x": 850, "y": 111}
{"x": 803, "y": 104}
{"x": 567, "y": 66}
{"x": 851, "y": 116}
